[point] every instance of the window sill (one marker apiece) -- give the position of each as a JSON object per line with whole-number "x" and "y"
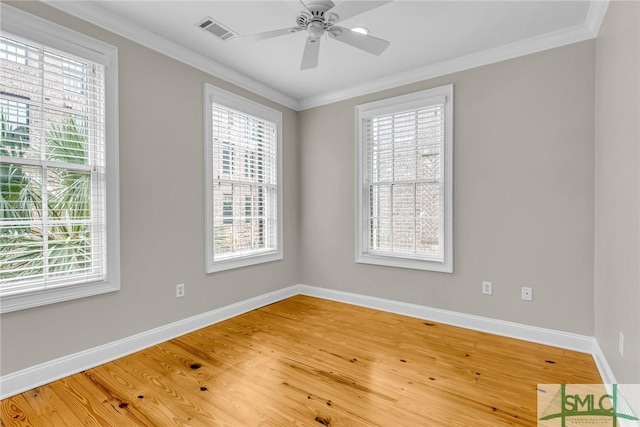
{"x": 415, "y": 264}
{"x": 245, "y": 261}
{"x": 23, "y": 301}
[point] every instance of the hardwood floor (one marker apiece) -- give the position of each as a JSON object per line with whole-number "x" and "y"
{"x": 311, "y": 362}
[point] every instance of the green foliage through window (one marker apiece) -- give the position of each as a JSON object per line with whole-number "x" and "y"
{"x": 55, "y": 240}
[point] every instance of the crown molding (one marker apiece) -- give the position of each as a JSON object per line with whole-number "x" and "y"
{"x": 547, "y": 41}
{"x": 90, "y": 12}
{"x": 595, "y": 15}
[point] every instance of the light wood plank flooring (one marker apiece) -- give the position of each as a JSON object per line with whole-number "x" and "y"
{"x": 310, "y": 362}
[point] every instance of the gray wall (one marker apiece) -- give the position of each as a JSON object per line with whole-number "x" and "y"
{"x": 161, "y": 213}
{"x": 617, "y": 202}
{"x": 524, "y": 185}
{"x": 523, "y": 194}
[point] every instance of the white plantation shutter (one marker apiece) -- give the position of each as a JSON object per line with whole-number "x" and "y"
{"x": 404, "y": 182}
{"x": 53, "y": 184}
{"x": 404, "y": 176}
{"x": 243, "y": 186}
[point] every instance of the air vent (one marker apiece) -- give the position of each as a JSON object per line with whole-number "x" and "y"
{"x": 217, "y": 29}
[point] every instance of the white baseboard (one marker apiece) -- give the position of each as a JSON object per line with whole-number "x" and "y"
{"x": 603, "y": 366}
{"x": 567, "y": 340}
{"x": 29, "y": 378}
{"x": 561, "y": 339}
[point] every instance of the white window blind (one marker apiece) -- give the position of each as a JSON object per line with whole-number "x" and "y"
{"x": 404, "y": 208}
{"x": 244, "y": 190}
{"x": 52, "y": 172}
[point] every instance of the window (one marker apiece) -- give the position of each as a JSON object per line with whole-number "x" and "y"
{"x": 226, "y": 158}
{"x": 243, "y": 204}
{"x": 14, "y": 116}
{"x": 404, "y": 207}
{"x": 248, "y": 209}
{"x": 58, "y": 164}
{"x": 249, "y": 166}
{"x": 227, "y": 209}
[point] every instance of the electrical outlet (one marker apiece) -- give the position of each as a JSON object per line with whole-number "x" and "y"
{"x": 487, "y": 288}
{"x": 527, "y": 294}
{"x": 180, "y": 290}
{"x": 621, "y": 344}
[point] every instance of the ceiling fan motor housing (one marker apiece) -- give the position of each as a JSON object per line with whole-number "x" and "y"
{"x": 321, "y": 17}
{"x": 315, "y": 21}
{"x": 319, "y": 7}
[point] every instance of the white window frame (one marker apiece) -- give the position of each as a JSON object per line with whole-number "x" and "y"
{"x": 213, "y": 94}
{"x": 389, "y": 106}
{"x": 39, "y": 30}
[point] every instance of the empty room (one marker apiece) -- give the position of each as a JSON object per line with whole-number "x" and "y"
{"x": 320, "y": 213}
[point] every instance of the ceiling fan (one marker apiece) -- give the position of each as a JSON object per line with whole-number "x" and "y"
{"x": 320, "y": 17}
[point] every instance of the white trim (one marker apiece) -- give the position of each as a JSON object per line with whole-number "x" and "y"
{"x": 213, "y": 94}
{"x": 98, "y": 16}
{"x": 37, "y": 298}
{"x": 26, "y": 379}
{"x": 101, "y": 17}
{"x": 595, "y": 15}
{"x": 601, "y": 363}
{"x": 383, "y": 107}
{"x": 547, "y": 41}
{"x": 561, "y": 339}
{"x": 56, "y": 36}
{"x": 608, "y": 378}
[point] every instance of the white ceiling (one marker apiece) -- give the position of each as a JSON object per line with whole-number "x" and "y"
{"x": 428, "y": 38}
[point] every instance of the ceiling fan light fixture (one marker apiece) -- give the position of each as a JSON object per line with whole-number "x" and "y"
{"x": 316, "y": 29}
{"x": 361, "y": 30}
{"x": 319, "y": 19}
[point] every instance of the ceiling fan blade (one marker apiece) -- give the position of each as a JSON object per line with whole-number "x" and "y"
{"x": 305, "y": 6}
{"x": 311, "y": 53}
{"x": 268, "y": 34}
{"x": 349, "y": 9}
{"x": 365, "y": 42}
